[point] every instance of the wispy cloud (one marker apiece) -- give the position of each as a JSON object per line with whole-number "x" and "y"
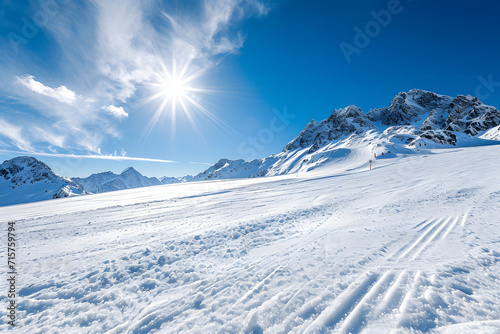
{"x": 209, "y": 35}
{"x": 49, "y": 136}
{"x": 15, "y": 135}
{"x": 108, "y": 50}
{"x": 61, "y": 93}
{"x": 117, "y": 112}
{"x": 131, "y": 48}
{"x": 201, "y": 163}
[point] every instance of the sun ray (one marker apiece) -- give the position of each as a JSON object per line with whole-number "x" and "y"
{"x": 207, "y": 113}
{"x": 156, "y": 116}
{"x": 175, "y": 86}
{"x": 184, "y": 69}
{"x": 191, "y": 120}
{"x": 173, "y": 120}
{"x": 195, "y": 75}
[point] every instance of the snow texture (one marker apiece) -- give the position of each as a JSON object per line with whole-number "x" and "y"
{"x": 410, "y": 246}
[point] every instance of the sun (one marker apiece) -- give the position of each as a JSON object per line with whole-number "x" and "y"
{"x": 176, "y": 88}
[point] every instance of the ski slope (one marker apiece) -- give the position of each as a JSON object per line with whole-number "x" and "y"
{"x": 412, "y": 245}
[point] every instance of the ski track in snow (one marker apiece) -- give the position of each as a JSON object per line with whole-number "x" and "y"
{"x": 323, "y": 252}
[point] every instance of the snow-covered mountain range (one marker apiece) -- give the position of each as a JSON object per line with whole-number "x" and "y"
{"x": 169, "y": 180}
{"x": 27, "y": 179}
{"x": 128, "y": 179}
{"x": 414, "y": 121}
{"x": 108, "y": 181}
{"x": 172, "y": 180}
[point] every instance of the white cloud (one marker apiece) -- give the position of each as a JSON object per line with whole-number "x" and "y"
{"x": 61, "y": 93}
{"x": 211, "y": 35}
{"x": 112, "y": 46}
{"x": 130, "y": 48}
{"x": 74, "y": 124}
{"x": 15, "y": 135}
{"x": 117, "y": 112}
{"x": 108, "y": 50}
{"x": 261, "y": 8}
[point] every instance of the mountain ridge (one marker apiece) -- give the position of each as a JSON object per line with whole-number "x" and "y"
{"x": 26, "y": 178}
{"x": 414, "y": 120}
{"x": 130, "y": 178}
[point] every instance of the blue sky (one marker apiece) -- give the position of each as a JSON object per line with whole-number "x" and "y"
{"x": 92, "y": 86}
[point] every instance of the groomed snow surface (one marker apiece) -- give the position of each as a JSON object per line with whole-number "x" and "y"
{"x": 410, "y": 246}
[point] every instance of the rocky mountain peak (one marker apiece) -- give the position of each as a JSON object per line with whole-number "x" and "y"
{"x": 27, "y": 178}
{"x": 129, "y": 170}
{"x": 21, "y": 170}
{"x": 341, "y": 122}
{"x": 221, "y": 163}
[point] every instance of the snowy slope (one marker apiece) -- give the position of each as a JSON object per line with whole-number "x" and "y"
{"x": 108, "y": 181}
{"x": 410, "y": 246}
{"x": 492, "y": 134}
{"x": 233, "y": 169}
{"x": 414, "y": 121}
{"x": 27, "y": 179}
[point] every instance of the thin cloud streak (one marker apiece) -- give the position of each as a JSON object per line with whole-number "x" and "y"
{"x": 201, "y": 163}
{"x": 90, "y": 156}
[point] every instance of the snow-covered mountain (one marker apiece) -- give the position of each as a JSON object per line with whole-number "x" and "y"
{"x": 185, "y": 178}
{"x": 231, "y": 169}
{"x": 431, "y": 111}
{"x": 108, "y": 181}
{"x": 172, "y": 180}
{"x": 27, "y": 179}
{"x": 414, "y": 121}
{"x": 341, "y": 123}
{"x": 169, "y": 180}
